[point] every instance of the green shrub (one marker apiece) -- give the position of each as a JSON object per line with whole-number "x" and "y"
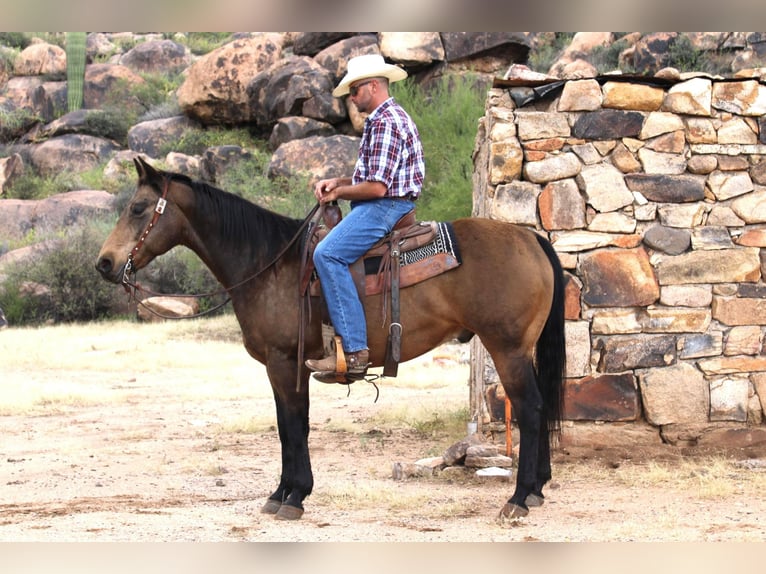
{"x": 18, "y": 40}
{"x": 31, "y": 185}
{"x": 200, "y": 43}
{"x": 683, "y": 56}
{"x": 447, "y": 118}
{"x": 75, "y": 292}
{"x": 110, "y": 122}
{"x": 195, "y": 141}
{"x": 181, "y": 272}
{"x": 607, "y": 58}
{"x": 547, "y": 52}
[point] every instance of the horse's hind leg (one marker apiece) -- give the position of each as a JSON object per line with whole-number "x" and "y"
{"x": 518, "y": 377}
{"x": 536, "y": 498}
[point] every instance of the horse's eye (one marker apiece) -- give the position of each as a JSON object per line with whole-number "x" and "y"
{"x": 138, "y": 208}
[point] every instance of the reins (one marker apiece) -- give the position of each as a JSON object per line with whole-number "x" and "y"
{"x": 131, "y": 287}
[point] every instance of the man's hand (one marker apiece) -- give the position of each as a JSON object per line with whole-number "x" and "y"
{"x": 326, "y": 190}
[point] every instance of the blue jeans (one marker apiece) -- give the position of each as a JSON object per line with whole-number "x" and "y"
{"x": 359, "y": 230}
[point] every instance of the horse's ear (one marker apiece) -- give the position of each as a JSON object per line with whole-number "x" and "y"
{"x": 144, "y": 170}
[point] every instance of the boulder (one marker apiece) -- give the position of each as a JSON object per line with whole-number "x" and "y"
{"x": 158, "y": 308}
{"x": 294, "y": 86}
{"x": 18, "y": 216}
{"x": 317, "y": 157}
{"x": 157, "y": 56}
{"x": 108, "y": 84}
{"x": 216, "y": 160}
{"x": 151, "y": 136}
{"x": 11, "y": 167}
{"x": 311, "y": 43}
{"x": 215, "y": 89}
{"x": 41, "y": 59}
{"x": 72, "y": 152}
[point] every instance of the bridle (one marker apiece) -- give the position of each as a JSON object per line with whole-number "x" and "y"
{"x": 158, "y": 211}
{"x": 131, "y": 287}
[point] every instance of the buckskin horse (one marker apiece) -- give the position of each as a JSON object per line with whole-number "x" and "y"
{"x": 509, "y": 291}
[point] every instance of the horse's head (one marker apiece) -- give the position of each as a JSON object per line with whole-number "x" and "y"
{"x": 148, "y": 226}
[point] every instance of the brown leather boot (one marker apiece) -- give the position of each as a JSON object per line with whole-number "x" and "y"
{"x": 356, "y": 363}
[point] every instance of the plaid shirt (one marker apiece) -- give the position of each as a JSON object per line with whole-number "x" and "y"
{"x": 391, "y": 152}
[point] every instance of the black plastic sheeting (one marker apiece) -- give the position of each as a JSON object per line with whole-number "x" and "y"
{"x": 524, "y": 92}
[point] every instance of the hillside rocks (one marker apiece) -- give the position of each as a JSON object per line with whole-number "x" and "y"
{"x": 652, "y": 193}
{"x": 18, "y": 216}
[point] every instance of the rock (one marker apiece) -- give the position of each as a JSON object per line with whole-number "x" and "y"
{"x": 296, "y": 127}
{"x": 495, "y": 472}
{"x": 411, "y": 48}
{"x": 720, "y": 435}
{"x": 665, "y": 402}
{"x": 700, "y": 345}
{"x": 157, "y": 56}
{"x": 72, "y": 152}
{"x": 602, "y": 397}
{"x": 311, "y": 43}
{"x": 625, "y": 435}
{"x": 627, "y": 96}
{"x": 150, "y": 137}
{"x": 11, "y": 168}
{"x": 720, "y": 266}
{"x": 506, "y": 158}
{"x": 608, "y": 125}
{"x": 295, "y": 86}
{"x": 580, "y": 95}
{"x": 604, "y": 187}
{"x": 456, "y": 453}
{"x": 40, "y": 59}
{"x": 508, "y": 46}
{"x": 692, "y": 97}
{"x": 562, "y": 206}
{"x": 746, "y": 98}
{"x": 622, "y": 353}
{"x": 18, "y": 217}
{"x": 618, "y": 278}
{"x": 317, "y": 157}
{"x": 553, "y": 168}
{"x": 739, "y": 310}
{"x": 516, "y": 202}
{"x": 335, "y": 57}
{"x": 218, "y": 159}
{"x": 215, "y": 89}
{"x": 107, "y": 83}
{"x": 403, "y": 470}
{"x": 159, "y": 308}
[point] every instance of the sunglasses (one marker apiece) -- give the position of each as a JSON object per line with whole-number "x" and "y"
{"x": 354, "y": 90}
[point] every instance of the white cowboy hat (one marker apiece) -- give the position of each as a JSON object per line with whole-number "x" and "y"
{"x": 368, "y": 66}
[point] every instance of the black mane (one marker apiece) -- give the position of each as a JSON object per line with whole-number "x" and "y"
{"x": 240, "y": 221}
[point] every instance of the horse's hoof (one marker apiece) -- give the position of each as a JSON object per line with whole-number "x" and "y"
{"x": 287, "y": 512}
{"x": 534, "y": 500}
{"x": 271, "y": 507}
{"x": 511, "y": 513}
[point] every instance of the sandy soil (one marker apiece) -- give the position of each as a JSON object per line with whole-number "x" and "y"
{"x": 168, "y": 454}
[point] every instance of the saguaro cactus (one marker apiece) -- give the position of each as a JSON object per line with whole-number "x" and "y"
{"x": 75, "y": 69}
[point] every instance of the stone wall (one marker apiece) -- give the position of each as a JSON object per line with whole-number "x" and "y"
{"x": 653, "y": 192}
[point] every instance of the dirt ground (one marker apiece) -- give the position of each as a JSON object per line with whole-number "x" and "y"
{"x": 167, "y": 454}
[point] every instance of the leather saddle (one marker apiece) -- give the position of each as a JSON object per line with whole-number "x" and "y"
{"x": 380, "y": 270}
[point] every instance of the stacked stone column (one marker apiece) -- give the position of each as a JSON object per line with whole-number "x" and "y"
{"x": 654, "y": 195}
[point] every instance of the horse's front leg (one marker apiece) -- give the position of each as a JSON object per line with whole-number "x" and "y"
{"x": 297, "y": 480}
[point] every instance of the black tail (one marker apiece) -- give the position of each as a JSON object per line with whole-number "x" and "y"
{"x": 550, "y": 353}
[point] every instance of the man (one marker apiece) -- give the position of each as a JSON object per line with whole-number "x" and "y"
{"x": 387, "y": 180}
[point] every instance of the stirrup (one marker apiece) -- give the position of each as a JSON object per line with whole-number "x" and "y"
{"x": 331, "y": 377}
